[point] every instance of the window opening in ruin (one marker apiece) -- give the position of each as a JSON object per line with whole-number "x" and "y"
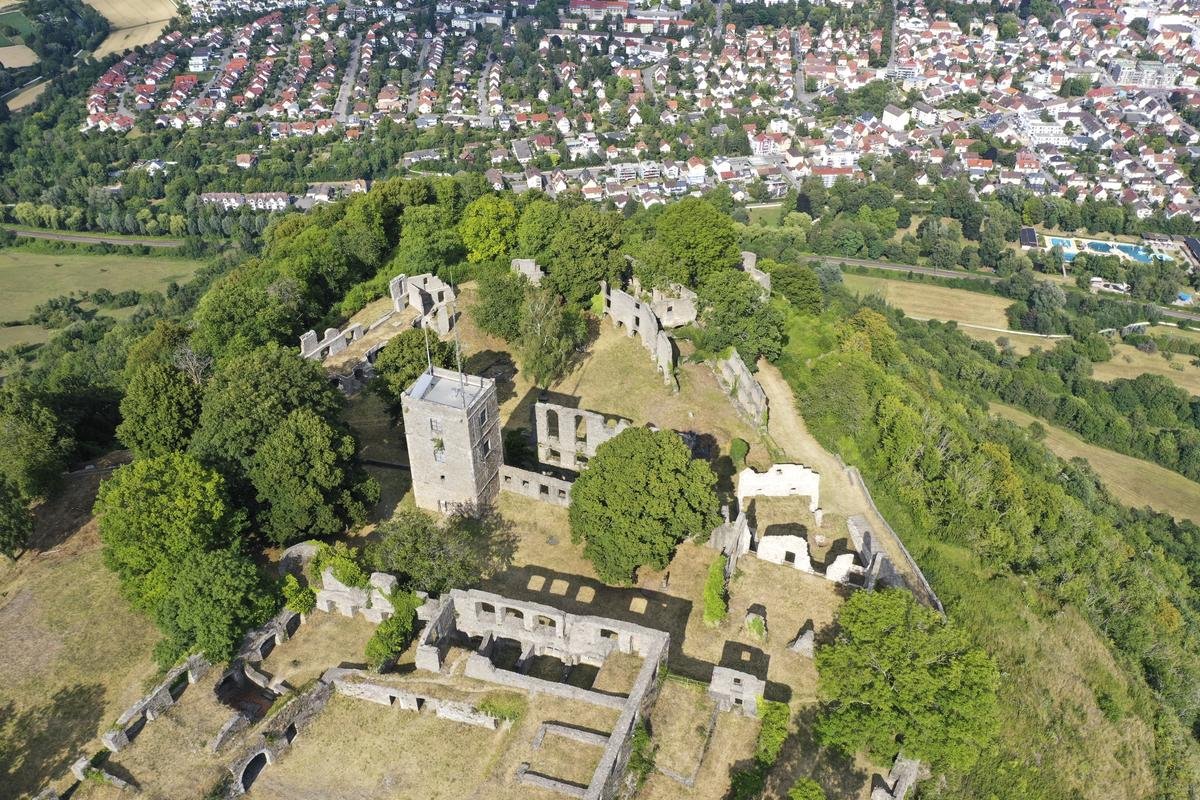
{"x": 605, "y": 633}
{"x": 543, "y": 489}
{"x": 545, "y": 622}
{"x": 483, "y": 417}
{"x": 580, "y": 429}
{"x": 485, "y": 447}
{"x": 435, "y": 425}
{"x": 789, "y": 558}
{"x": 553, "y": 456}
{"x": 552, "y": 423}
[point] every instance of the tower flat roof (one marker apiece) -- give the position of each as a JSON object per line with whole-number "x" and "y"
{"x": 447, "y": 388}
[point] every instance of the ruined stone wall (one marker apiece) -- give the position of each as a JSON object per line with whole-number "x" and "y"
{"x": 675, "y": 307}
{"x": 780, "y": 480}
{"x": 529, "y": 268}
{"x": 155, "y": 702}
{"x": 744, "y": 391}
{"x": 535, "y": 486}
{"x": 750, "y": 267}
{"x": 919, "y": 585}
{"x": 639, "y": 320}
{"x": 732, "y": 538}
{"x": 429, "y": 295}
{"x": 333, "y": 342}
{"x": 558, "y": 434}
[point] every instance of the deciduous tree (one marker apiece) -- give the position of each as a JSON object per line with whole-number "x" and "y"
{"x": 640, "y": 496}
{"x": 159, "y": 411}
{"x": 16, "y": 520}
{"x": 900, "y": 675}
{"x": 306, "y": 479}
{"x": 403, "y": 359}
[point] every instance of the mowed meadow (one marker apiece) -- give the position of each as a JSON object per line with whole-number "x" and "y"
{"x": 29, "y": 277}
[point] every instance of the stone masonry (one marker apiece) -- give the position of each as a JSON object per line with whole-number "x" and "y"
{"x": 744, "y": 391}
{"x": 452, "y": 425}
{"x": 568, "y": 437}
{"x": 638, "y": 319}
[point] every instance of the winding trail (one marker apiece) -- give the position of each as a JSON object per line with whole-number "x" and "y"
{"x": 840, "y": 493}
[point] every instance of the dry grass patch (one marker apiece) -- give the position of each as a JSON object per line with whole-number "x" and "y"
{"x": 930, "y": 301}
{"x": 323, "y": 641}
{"x": 74, "y": 654}
{"x": 27, "y": 96}
{"x": 732, "y": 745}
{"x": 1129, "y": 362}
{"x": 171, "y": 758}
{"x": 15, "y": 56}
{"x": 679, "y": 724}
{"x": 1132, "y": 481}
{"x": 134, "y": 22}
{"x": 372, "y": 752}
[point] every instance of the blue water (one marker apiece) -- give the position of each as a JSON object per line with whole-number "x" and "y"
{"x": 1065, "y": 244}
{"x": 1138, "y": 254}
{"x": 1099, "y": 247}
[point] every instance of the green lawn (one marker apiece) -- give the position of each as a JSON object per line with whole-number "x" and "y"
{"x": 28, "y": 278}
{"x": 765, "y": 215}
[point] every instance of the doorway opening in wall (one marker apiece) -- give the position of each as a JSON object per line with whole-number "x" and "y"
{"x": 789, "y": 558}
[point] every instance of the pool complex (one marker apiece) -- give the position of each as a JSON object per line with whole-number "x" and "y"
{"x": 1133, "y": 252}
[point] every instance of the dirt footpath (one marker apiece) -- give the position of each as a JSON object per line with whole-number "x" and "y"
{"x": 840, "y": 493}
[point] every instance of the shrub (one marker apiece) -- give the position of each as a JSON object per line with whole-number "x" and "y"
{"x": 774, "y": 717}
{"x": 343, "y": 562}
{"x": 508, "y": 707}
{"x": 738, "y": 450}
{"x": 641, "y": 754}
{"x": 757, "y": 628}
{"x": 394, "y": 633}
{"x": 715, "y": 604}
{"x": 806, "y": 789}
{"x": 301, "y": 599}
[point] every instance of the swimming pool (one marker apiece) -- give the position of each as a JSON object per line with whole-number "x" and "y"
{"x": 1058, "y": 241}
{"x": 1138, "y": 254}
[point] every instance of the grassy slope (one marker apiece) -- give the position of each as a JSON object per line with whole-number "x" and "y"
{"x": 74, "y": 653}
{"x": 1129, "y": 362}
{"x": 1055, "y": 742}
{"x": 1131, "y": 480}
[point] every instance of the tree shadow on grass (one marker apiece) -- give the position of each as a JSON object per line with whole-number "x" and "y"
{"x": 39, "y": 743}
{"x": 803, "y": 756}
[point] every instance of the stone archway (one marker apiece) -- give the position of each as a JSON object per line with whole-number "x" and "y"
{"x": 252, "y": 769}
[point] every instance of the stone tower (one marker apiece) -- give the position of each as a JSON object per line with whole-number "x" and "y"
{"x": 452, "y": 425}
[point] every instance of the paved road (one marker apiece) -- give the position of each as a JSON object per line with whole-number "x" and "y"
{"x": 342, "y": 104}
{"x": 97, "y": 238}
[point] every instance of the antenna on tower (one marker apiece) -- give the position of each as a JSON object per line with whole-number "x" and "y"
{"x": 462, "y": 382}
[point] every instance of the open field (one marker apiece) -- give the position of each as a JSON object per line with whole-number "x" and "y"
{"x": 133, "y": 23}
{"x": 765, "y": 214}
{"x": 15, "y": 56}
{"x": 28, "y": 278}
{"x": 980, "y": 316}
{"x": 928, "y": 301}
{"x": 1129, "y": 362}
{"x": 75, "y": 654}
{"x": 26, "y": 96}
{"x": 1132, "y": 481}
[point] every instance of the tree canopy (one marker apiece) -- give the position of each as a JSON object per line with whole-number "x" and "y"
{"x": 695, "y": 239}
{"x": 901, "y": 676}
{"x": 248, "y": 397}
{"x": 640, "y": 496}
{"x": 159, "y": 411}
{"x": 307, "y": 480}
{"x": 403, "y": 359}
{"x": 16, "y": 520}
{"x": 550, "y": 333}
{"x": 434, "y": 556}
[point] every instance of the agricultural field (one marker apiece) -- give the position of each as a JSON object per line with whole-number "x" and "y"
{"x": 15, "y": 56}
{"x": 26, "y": 96}
{"x": 1132, "y": 481}
{"x": 133, "y": 23}
{"x": 928, "y": 301}
{"x": 28, "y": 278}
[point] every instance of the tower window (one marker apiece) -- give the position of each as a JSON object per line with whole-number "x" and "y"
{"x": 435, "y": 425}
